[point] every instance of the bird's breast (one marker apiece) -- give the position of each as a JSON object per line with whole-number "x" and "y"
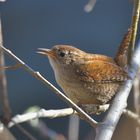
{"x": 83, "y": 91}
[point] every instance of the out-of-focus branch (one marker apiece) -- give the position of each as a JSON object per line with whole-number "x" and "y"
{"x": 133, "y": 116}
{"x": 25, "y": 132}
{"x": 136, "y": 90}
{"x": 44, "y": 131}
{"x": 38, "y": 76}
{"x": 5, "y": 133}
{"x": 73, "y": 132}
{"x": 90, "y": 5}
{"x": 106, "y": 128}
{"x": 3, "y": 84}
{"x": 136, "y": 93}
{"x": 134, "y": 25}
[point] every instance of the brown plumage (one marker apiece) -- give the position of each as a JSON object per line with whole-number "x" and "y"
{"x": 85, "y": 78}
{"x": 89, "y": 79}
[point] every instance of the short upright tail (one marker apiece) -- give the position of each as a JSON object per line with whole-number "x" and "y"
{"x": 122, "y": 55}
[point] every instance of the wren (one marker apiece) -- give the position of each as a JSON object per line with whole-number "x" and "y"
{"x": 87, "y": 79}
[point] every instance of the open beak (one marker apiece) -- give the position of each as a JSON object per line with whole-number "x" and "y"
{"x": 47, "y": 52}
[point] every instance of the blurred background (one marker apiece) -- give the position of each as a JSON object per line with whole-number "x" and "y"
{"x": 31, "y": 24}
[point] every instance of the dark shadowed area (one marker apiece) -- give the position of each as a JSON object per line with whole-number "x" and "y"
{"x": 28, "y": 25}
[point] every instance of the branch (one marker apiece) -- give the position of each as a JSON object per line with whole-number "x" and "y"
{"x": 36, "y": 113}
{"x": 3, "y": 84}
{"x": 25, "y": 132}
{"x": 74, "y": 127}
{"x": 107, "y": 127}
{"x": 38, "y": 76}
{"x": 41, "y": 113}
{"x": 44, "y": 131}
{"x": 134, "y": 25}
{"x": 133, "y": 116}
{"x": 136, "y": 94}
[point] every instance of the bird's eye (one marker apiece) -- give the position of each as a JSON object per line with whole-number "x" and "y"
{"x": 62, "y": 54}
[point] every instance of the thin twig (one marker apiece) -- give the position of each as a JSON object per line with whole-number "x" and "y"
{"x": 38, "y": 76}
{"x": 106, "y": 128}
{"x": 134, "y": 24}
{"x": 13, "y": 67}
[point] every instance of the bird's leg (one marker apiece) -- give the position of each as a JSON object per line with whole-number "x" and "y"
{"x": 94, "y": 109}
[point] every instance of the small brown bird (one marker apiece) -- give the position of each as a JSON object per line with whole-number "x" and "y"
{"x": 85, "y": 78}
